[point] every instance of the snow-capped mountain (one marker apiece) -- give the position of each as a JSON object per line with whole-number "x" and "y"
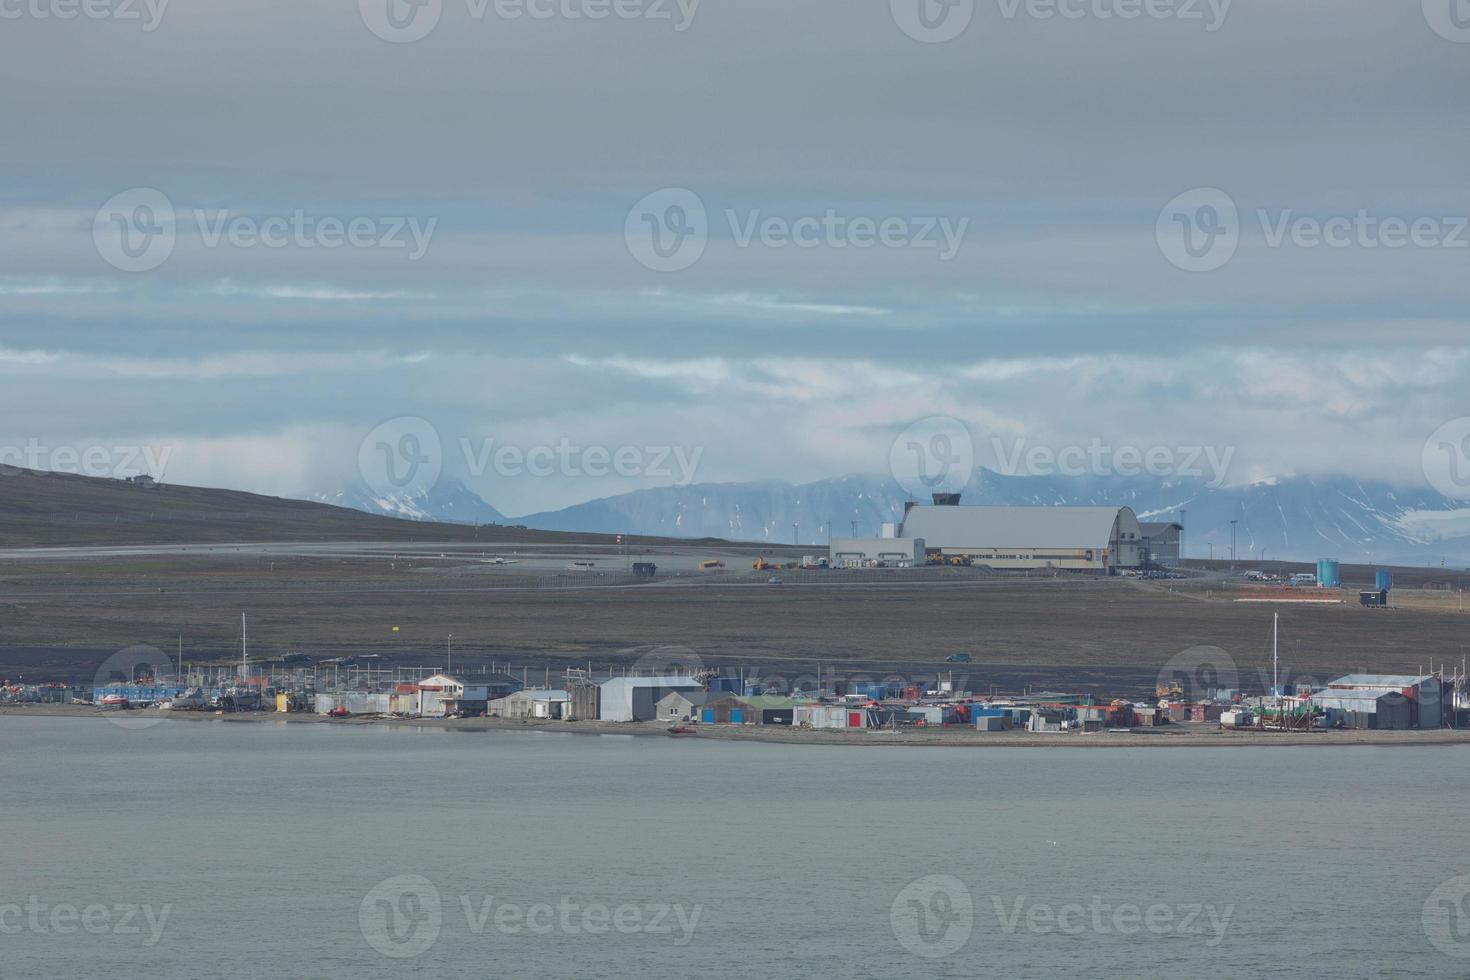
{"x": 449, "y": 501}
{"x": 1294, "y": 518}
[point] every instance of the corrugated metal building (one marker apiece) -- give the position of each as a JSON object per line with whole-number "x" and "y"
{"x": 1365, "y": 708}
{"x": 543, "y": 705}
{"x": 1423, "y": 692}
{"x": 1091, "y": 539}
{"x": 1162, "y": 541}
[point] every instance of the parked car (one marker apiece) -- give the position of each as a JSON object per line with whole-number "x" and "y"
{"x": 958, "y": 658}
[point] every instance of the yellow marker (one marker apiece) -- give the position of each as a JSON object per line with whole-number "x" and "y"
{"x": 395, "y": 629}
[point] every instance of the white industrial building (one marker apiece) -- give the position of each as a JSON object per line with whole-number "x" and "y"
{"x": 884, "y": 551}
{"x": 637, "y": 698}
{"x": 1083, "y": 539}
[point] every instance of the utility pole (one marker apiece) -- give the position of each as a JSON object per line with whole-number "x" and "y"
{"x": 796, "y": 532}
{"x": 853, "y": 526}
{"x": 1232, "y": 538}
{"x": 449, "y": 654}
{"x": 1183, "y": 513}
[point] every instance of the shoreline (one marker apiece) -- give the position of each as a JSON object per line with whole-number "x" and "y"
{"x": 1186, "y": 735}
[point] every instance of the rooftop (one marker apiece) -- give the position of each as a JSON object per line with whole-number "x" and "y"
{"x": 1380, "y": 680}
{"x": 1012, "y": 527}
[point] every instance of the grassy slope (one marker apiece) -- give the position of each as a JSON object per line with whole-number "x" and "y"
{"x": 57, "y": 510}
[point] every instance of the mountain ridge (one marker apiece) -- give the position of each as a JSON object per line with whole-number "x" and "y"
{"x": 1295, "y": 517}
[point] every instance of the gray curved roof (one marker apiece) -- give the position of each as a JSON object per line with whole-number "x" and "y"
{"x": 1016, "y": 527}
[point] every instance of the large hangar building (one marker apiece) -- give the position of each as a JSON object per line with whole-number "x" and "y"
{"x": 1083, "y": 539}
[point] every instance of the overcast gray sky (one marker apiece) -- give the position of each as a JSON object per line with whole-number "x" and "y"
{"x": 988, "y": 231}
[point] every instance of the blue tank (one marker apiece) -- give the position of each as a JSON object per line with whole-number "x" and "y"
{"x": 1329, "y": 574}
{"x": 1383, "y": 580}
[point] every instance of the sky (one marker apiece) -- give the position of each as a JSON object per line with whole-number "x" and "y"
{"x": 763, "y": 238}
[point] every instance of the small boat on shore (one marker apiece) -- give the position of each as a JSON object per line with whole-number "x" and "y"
{"x": 681, "y": 730}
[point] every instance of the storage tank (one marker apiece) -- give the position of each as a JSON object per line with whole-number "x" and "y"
{"x": 1329, "y": 574}
{"x": 1384, "y": 580}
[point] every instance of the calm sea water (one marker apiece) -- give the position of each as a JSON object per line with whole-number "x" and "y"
{"x": 276, "y": 851}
